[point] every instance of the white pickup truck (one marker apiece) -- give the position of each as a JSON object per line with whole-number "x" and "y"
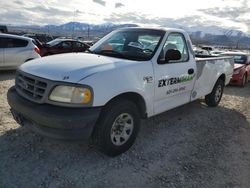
{"x": 130, "y": 74}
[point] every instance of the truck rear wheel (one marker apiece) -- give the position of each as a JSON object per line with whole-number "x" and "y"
{"x": 117, "y": 128}
{"x": 213, "y": 99}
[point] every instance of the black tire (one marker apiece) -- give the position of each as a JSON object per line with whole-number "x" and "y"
{"x": 102, "y": 135}
{"x": 213, "y": 99}
{"x": 244, "y": 80}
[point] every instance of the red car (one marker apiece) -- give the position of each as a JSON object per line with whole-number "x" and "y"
{"x": 59, "y": 46}
{"x": 241, "y": 73}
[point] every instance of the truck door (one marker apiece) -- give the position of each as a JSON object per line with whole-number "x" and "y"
{"x": 174, "y": 80}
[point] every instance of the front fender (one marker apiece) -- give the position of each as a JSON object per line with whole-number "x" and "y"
{"x": 111, "y": 83}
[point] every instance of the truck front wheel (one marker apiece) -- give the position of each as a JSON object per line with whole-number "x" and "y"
{"x": 213, "y": 99}
{"x": 117, "y": 127}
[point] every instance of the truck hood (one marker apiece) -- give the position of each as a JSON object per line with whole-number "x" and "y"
{"x": 71, "y": 67}
{"x": 236, "y": 66}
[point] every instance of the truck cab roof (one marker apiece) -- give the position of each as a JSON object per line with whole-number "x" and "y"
{"x": 164, "y": 29}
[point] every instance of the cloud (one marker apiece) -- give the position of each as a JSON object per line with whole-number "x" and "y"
{"x": 131, "y": 17}
{"x": 189, "y": 23}
{"x": 237, "y": 14}
{"x": 228, "y": 12}
{"x": 18, "y": 2}
{"x": 118, "y": 5}
{"x": 33, "y": 13}
{"x": 49, "y": 11}
{"x": 147, "y": 19}
{"x": 78, "y": 12}
{"x": 232, "y": 14}
{"x": 101, "y": 2}
{"x": 13, "y": 17}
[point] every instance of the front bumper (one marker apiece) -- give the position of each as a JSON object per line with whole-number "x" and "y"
{"x": 53, "y": 121}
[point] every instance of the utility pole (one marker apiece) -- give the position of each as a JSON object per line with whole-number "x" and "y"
{"x": 240, "y": 36}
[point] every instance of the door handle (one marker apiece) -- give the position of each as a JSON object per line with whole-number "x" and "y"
{"x": 190, "y": 71}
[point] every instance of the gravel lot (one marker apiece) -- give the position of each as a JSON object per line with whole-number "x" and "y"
{"x": 191, "y": 146}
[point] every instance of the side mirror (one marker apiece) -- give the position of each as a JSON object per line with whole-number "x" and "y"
{"x": 172, "y": 54}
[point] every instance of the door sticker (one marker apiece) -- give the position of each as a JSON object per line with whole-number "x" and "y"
{"x": 172, "y": 81}
{"x": 175, "y": 90}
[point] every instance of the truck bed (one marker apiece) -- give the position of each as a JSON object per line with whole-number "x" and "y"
{"x": 208, "y": 69}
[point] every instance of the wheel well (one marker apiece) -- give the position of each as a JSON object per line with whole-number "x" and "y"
{"x": 135, "y": 98}
{"x": 29, "y": 59}
{"x": 222, "y": 77}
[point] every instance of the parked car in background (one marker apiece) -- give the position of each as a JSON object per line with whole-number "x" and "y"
{"x": 15, "y": 50}
{"x": 241, "y": 73}
{"x": 59, "y": 46}
{"x": 89, "y": 42}
{"x": 201, "y": 52}
{"x": 207, "y": 48}
{"x": 41, "y": 38}
{"x": 216, "y": 52}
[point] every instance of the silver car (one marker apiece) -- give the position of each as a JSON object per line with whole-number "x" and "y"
{"x": 15, "y": 50}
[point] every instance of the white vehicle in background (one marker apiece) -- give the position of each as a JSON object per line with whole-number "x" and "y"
{"x": 216, "y": 52}
{"x": 129, "y": 74}
{"x": 15, "y": 50}
{"x": 201, "y": 52}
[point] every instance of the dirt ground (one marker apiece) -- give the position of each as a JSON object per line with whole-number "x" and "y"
{"x": 191, "y": 146}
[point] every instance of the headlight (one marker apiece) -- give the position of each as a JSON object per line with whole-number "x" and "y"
{"x": 69, "y": 94}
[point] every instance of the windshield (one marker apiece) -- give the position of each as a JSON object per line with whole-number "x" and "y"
{"x": 133, "y": 44}
{"x": 53, "y": 42}
{"x": 239, "y": 59}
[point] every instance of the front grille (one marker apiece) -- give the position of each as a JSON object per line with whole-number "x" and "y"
{"x": 31, "y": 87}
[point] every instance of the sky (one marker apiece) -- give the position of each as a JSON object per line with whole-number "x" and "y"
{"x": 234, "y": 14}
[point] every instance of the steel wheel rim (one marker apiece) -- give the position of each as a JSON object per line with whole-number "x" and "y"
{"x": 122, "y": 129}
{"x": 218, "y": 93}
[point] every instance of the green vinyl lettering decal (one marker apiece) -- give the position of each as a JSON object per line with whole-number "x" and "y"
{"x": 172, "y": 81}
{"x": 187, "y": 78}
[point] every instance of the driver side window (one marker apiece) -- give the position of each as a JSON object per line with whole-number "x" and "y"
{"x": 175, "y": 41}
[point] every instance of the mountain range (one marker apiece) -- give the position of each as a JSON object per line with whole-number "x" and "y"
{"x": 207, "y": 34}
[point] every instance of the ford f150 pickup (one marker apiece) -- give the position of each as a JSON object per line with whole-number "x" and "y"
{"x": 130, "y": 74}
